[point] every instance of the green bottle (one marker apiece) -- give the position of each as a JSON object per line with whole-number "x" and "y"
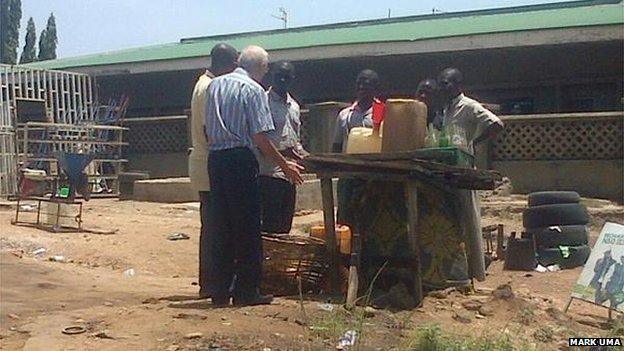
{"x": 444, "y": 139}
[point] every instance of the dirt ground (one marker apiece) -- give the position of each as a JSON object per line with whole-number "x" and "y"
{"x": 156, "y": 308}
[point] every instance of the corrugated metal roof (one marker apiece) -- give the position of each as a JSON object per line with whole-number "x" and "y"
{"x": 413, "y": 28}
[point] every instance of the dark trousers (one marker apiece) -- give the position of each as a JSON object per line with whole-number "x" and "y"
{"x": 236, "y": 248}
{"x": 204, "y": 241}
{"x": 278, "y": 204}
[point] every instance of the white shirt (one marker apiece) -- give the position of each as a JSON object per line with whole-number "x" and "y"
{"x": 198, "y": 159}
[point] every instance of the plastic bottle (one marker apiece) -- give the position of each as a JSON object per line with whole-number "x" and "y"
{"x": 443, "y": 138}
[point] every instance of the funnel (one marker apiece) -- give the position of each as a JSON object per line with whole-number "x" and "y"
{"x": 73, "y": 165}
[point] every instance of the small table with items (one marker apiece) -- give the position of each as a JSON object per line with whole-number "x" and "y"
{"x": 388, "y": 202}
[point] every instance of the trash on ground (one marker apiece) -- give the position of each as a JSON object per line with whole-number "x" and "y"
{"x": 194, "y": 335}
{"x": 347, "y": 340}
{"x": 553, "y": 268}
{"x": 27, "y": 208}
{"x": 325, "y": 306}
{"x": 129, "y": 272}
{"x": 555, "y": 228}
{"x": 178, "y": 236}
{"x": 103, "y": 335}
{"x": 58, "y": 258}
{"x": 541, "y": 269}
{"x": 74, "y": 329}
{"x": 39, "y": 251}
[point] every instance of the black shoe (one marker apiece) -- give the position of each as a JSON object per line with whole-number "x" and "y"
{"x": 220, "y": 301}
{"x": 254, "y": 300}
{"x": 204, "y": 295}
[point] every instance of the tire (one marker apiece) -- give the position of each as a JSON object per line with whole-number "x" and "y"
{"x": 570, "y": 235}
{"x": 578, "y": 256}
{"x": 553, "y": 197}
{"x": 558, "y": 214}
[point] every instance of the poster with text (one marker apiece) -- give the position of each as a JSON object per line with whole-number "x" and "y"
{"x": 602, "y": 279}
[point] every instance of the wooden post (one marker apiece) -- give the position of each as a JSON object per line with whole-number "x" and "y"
{"x": 499, "y": 242}
{"x": 413, "y": 237}
{"x": 565, "y": 310}
{"x": 327, "y": 193}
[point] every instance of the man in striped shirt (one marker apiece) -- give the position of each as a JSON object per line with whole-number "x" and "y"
{"x": 237, "y": 120}
{"x": 277, "y": 194}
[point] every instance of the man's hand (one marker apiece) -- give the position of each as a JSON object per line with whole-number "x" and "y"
{"x": 490, "y": 133}
{"x": 292, "y": 171}
{"x": 292, "y": 154}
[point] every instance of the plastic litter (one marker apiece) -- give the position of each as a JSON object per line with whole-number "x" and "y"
{"x": 129, "y": 273}
{"x": 39, "y": 251}
{"x": 551, "y": 268}
{"x": 27, "y": 208}
{"x": 73, "y": 330}
{"x": 178, "y": 236}
{"x": 57, "y": 258}
{"x": 555, "y": 228}
{"x": 565, "y": 251}
{"x": 347, "y": 340}
{"x": 325, "y": 306}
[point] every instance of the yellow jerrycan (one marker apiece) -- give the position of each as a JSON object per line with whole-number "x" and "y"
{"x": 363, "y": 140}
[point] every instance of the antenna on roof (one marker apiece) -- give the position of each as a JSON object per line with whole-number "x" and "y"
{"x": 389, "y": 12}
{"x": 283, "y": 16}
{"x": 436, "y": 11}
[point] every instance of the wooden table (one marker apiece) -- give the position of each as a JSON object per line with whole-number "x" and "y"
{"x": 405, "y": 167}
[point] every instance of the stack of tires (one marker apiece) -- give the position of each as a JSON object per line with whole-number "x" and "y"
{"x": 558, "y": 222}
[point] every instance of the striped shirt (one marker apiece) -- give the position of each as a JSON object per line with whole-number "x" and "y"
{"x": 237, "y": 108}
{"x": 349, "y": 118}
{"x": 286, "y": 118}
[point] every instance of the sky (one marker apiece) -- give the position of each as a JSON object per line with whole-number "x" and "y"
{"x": 95, "y": 26}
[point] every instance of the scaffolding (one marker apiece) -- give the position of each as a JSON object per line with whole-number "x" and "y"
{"x": 72, "y": 121}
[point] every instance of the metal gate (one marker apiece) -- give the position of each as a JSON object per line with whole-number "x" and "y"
{"x": 68, "y": 98}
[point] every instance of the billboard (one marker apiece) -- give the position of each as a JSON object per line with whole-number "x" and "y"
{"x": 602, "y": 279}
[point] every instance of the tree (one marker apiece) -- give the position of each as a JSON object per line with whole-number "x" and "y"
{"x": 10, "y": 17}
{"x": 29, "y": 54}
{"x": 48, "y": 41}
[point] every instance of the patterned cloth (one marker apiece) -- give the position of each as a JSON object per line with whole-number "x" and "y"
{"x": 237, "y": 108}
{"x": 378, "y": 210}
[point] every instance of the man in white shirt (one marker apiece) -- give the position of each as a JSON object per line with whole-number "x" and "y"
{"x": 223, "y": 59}
{"x": 277, "y": 193}
{"x": 480, "y": 125}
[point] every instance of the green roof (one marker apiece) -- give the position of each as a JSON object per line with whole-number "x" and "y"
{"x": 402, "y": 29}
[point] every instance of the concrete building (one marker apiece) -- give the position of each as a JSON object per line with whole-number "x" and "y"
{"x": 563, "y": 57}
{"x": 531, "y": 60}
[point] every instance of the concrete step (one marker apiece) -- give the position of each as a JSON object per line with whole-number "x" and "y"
{"x": 179, "y": 190}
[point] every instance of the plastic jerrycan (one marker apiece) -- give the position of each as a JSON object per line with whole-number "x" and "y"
{"x": 363, "y": 140}
{"x": 405, "y": 125}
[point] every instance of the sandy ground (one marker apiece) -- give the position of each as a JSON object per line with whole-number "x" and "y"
{"x": 156, "y": 308}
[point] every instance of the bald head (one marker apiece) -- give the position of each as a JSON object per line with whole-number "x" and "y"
{"x": 451, "y": 83}
{"x": 224, "y": 59}
{"x": 255, "y": 60}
